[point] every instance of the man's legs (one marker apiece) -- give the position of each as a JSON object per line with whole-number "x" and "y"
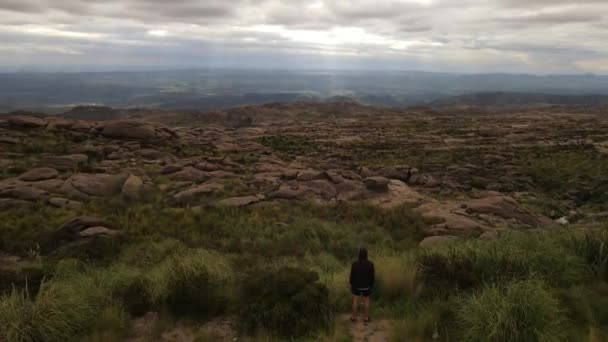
{"x": 355, "y": 307}
{"x": 366, "y": 304}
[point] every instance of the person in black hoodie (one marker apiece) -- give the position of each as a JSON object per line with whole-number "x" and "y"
{"x": 362, "y": 279}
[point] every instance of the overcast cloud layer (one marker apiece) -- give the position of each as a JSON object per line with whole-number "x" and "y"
{"x": 533, "y": 36}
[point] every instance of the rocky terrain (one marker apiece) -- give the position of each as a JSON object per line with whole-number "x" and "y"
{"x": 122, "y": 216}
{"x": 467, "y": 170}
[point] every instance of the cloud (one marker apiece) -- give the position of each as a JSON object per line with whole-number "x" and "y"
{"x": 474, "y": 35}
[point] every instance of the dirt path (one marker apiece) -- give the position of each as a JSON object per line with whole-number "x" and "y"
{"x": 374, "y": 331}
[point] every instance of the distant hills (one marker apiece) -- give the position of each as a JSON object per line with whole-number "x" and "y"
{"x": 502, "y": 99}
{"x": 220, "y": 89}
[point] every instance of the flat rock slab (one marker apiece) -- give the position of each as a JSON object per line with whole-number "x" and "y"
{"x": 241, "y": 201}
{"x": 26, "y": 121}
{"x": 436, "y": 241}
{"x": 97, "y": 231}
{"x": 38, "y": 174}
{"x": 65, "y": 163}
{"x": 137, "y": 130}
{"x": 84, "y": 185}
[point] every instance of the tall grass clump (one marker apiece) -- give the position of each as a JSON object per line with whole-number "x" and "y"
{"x": 514, "y": 256}
{"x": 523, "y": 311}
{"x": 289, "y": 302}
{"x": 196, "y": 283}
{"x": 60, "y": 311}
{"x": 592, "y": 247}
{"x": 396, "y": 277}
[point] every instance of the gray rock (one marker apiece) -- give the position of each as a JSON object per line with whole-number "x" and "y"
{"x": 132, "y": 189}
{"x": 26, "y": 121}
{"x": 11, "y": 203}
{"x": 288, "y": 192}
{"x": 64, "y": 203}
{"x": 38, "y": 174}
{"x": 84, "y": 185}
{"x": 376, "y": 183}
{"x": 241, "y": 201}
{"x": 65, "y": 163}
{"x": 190, "y": 174}
{"x": 137, "y": 130}
{"x": 71, "y": 230}
{"x": 436, "y": 241}
{"x": 26, "y": 193}
{"x": 193, "y": 194}
{"x": 97, "y": 231}
{"x": 169, "y": 169}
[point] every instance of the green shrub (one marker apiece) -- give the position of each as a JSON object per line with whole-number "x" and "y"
{"x": 193, "y": 284}
{"x": 513, "y": 256}
{"x": 20, "y": 277}
{"x": 524, "y": 311}
{"x": 443, "y": 272}
{"x": 425, "y": 321}
{"x": 61, "y": 311}
{"x": 289, "y": 302}
{"x": 132, "y": 290}
{"x": 395, "y": 278}
{"x": 592, "y": 247}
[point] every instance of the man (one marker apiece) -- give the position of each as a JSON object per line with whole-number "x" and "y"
{"x": 362, "y": 279}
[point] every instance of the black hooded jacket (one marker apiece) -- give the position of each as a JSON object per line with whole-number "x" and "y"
{"x": 362, "y": 275}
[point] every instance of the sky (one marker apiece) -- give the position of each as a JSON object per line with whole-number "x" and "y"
{"x": 472, "y": 36}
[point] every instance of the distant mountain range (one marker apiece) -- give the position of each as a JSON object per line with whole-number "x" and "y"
{"x": 218, "y": 89}
{"x": 502, "y": 99}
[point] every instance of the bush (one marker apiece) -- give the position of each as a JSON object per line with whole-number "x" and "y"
{"x": 511, "y": 257}
{"x": 20, "y": 277}
{"x": 194, "y": 284}
{"x": 289, "y": 302}
{"x": 61, "y": 311}
{"x": 523, "y": 311}
{"x": 395, "y": 278}
{"x": 592, "y": 247}
{"x": 131, "y": 289}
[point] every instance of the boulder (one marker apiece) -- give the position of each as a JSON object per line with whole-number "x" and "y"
{"x": 451, "y": 219}
{"x": 241, "y": 201}
{"x": 132, "y": 189}
{"x": 308, "y": 175}
{"x": 376, "y": 183}
{"x": 193, "y": 194}
{"x": 290, "y": 192}
{"x": 350, "y": 190}
{"x": 26, "y": 193}
{"x": 97, "y": 231}
{"x": 9, "y": 140}
{"x": 85, "y": 185}
{"x": 71, "y": 230}
{"x": 65, "y": 163}
{"x": 207, "y": 167}
{"x": 26, "y": 121}
{"x": 170, "y": 169}
{"x": 506, "y": 208}
{"x": 56, "y": 123}
{"x": 436, "y": 241}
{"x": 11, "y": 203}
{"x": 38, "y": 174}
{"x": 221, "y": 174}
{"x": 397, "y": 193}
{"x": 49, "y": 185}
{"x": 153, "y": 154}
{"x": 334, "y": 177}
{"x": 64, "y": 203}
{"x": 290, "y": 174}
{"x": 136, "y": 130}
{"x": 190, "y": 174}
{"x": 322, "y": 188}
